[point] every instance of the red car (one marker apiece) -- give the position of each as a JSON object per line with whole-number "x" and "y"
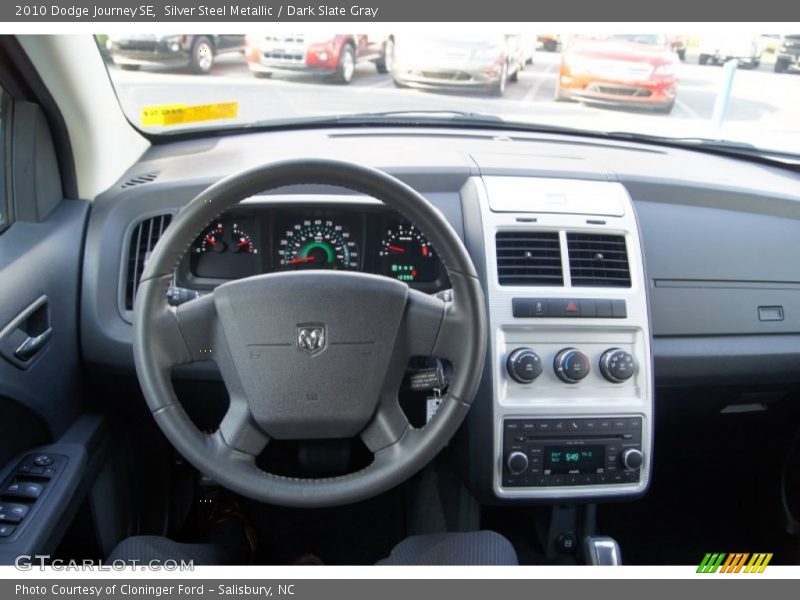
{"x": 335, "y": 55}
{"x": 619, "y": 70}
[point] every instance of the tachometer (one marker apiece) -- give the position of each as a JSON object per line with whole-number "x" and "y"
{"x": 407, "y": 255}
{"x": 317, "y": 244}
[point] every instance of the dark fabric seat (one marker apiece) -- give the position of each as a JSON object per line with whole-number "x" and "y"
{"x": 470, "y": 548}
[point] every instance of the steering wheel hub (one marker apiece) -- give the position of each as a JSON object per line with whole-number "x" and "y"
{"x": 311, "y": 349}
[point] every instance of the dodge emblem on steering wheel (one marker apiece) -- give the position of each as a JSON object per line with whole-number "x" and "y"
{"x": 311, "y": 338}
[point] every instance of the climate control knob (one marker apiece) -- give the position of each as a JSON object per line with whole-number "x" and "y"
{"x": 571, "y": 365}
{"x": 517, "y": 462}
{"x": 524, "y": 365}
{"x": 617, "y": 365}
{"x": 631, "y": 458}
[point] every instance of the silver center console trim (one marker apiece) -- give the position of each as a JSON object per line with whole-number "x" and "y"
{"x": 548, "y": 396}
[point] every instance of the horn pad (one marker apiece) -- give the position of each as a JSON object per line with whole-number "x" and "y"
{"x": 310, "y": 350}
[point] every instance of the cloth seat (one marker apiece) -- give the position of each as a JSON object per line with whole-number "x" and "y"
{"x": 469, "y": 548}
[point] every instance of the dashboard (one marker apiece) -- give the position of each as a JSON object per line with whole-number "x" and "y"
{"x": 611, "y": 270}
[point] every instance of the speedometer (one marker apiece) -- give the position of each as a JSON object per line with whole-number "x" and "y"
{"x": 317, "y": 244}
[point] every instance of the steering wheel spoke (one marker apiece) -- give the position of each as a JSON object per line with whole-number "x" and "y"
{"x": 420, "y": 326}
{"x": 387, "y": 425}
{"x": 199, "y": 327}
{"x": 239, "y": 430}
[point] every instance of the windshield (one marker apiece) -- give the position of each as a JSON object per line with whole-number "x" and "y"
{"x": 742, "y": 88}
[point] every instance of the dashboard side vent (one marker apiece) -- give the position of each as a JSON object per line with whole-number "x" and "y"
{"x": 143, "y": 239}
{"x": 598, "y": 260}
{"x": 139, "y": 179}
{"x": 529, "y": 258}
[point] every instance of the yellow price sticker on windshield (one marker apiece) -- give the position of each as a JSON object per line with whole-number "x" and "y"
{"x": 178, "y": 114}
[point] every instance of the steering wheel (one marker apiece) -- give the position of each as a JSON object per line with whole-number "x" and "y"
{"x": 309, "y": 354}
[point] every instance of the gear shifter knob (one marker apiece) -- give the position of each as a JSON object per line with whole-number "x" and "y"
{"x": 601, "y": 551}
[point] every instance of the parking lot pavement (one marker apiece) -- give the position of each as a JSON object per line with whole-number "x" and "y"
{"x": 761, "y": 99}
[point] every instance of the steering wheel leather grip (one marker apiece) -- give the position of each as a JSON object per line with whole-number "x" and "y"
{"x": 279, "y": 389}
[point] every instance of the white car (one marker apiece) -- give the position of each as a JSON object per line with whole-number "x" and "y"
{"x": 718, "y": 49}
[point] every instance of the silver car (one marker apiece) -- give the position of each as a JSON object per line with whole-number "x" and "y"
{"x": 453, "y": 62}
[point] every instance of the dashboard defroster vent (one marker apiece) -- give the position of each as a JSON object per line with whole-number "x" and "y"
{"x": 598, "y": 260}
{"x": 143, "y": 239}
{"x": 139, "y": 180}
{"x": 529, "y": 258}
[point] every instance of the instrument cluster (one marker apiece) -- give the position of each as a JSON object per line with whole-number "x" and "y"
{"x": 253, "y": 240}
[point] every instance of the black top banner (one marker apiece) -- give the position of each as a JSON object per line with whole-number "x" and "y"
{"x": 137, "y": 11}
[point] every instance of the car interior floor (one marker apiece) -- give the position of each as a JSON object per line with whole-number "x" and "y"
{"x": 721, "y": 492}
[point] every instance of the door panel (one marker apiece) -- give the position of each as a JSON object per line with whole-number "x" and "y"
{"x": 42, "y": 260}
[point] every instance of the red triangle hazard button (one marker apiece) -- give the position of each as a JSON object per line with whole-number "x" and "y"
{"x": 572, "y": 307}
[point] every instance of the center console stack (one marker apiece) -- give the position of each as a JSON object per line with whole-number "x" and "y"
{"x": 569, "y": 339}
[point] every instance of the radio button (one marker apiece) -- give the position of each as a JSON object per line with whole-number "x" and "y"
{"x": 517, "y": 462}
{"x": 631, "y": 459}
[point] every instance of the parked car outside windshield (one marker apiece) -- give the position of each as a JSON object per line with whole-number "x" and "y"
{"x": 651, "y": 83}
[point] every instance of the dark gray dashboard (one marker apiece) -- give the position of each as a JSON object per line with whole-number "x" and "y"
{"x": 719, "y": 234}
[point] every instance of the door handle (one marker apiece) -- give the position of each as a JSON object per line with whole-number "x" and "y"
{"x": 31, "y": 346}
{"x": 27, "y": 335}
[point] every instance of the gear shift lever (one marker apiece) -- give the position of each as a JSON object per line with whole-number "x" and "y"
{"x": 601, "y": 551}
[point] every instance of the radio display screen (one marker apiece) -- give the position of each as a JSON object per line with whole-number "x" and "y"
{"x": 562, "y": 460}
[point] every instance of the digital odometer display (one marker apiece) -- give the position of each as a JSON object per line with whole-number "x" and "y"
{"x": 573, "y": 459}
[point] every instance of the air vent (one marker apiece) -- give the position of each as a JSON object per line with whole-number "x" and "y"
{"x": 139, "y": 179}
{"x": 598, "y": 260}
{"x": 529, "y": 258}
{"x": 143, "y": 239}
